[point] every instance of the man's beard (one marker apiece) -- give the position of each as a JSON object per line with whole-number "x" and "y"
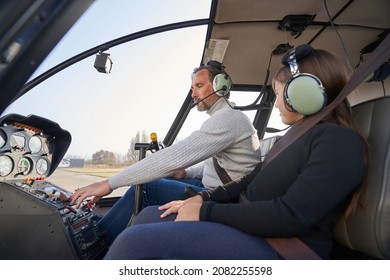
{"x": 202, "y": 106}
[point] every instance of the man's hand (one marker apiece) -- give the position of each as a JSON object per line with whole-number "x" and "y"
{"x": 98, "y": 190}
{"x": 180, "y": 174}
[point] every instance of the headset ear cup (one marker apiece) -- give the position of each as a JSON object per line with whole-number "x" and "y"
{"x": 305, "y": 94}
{"x": 222, "y": 84}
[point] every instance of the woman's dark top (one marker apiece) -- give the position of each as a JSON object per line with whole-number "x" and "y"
{"x": 301, "y": 192}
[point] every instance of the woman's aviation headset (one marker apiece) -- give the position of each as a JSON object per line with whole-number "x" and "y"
{"x": 221, "y": 82}
{"x": 303, "y": 93}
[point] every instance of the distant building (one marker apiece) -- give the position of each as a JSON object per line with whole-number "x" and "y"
{"x": 71, "y": 162}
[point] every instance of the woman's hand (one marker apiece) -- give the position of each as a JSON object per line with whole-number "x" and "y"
{"x": 98, "y": 190}
{"x": 187, "y": 210}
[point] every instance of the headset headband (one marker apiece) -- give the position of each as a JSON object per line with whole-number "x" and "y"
{"x": 216, "y": 64}
{"x": 292, "y": 62}
{"x": 298, "y": 53}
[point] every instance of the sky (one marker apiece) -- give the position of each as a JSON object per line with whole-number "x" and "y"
{"x": 149, "y": 81}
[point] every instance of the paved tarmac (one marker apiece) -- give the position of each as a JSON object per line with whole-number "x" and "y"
{"x": 72, "y": 180}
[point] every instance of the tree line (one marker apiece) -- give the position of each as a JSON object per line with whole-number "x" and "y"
{"x": 104, "y": 157}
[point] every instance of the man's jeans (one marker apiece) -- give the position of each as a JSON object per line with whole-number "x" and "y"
{"x": 157, "y": 192}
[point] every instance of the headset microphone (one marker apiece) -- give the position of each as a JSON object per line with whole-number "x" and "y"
{"x": 197, "y": 102}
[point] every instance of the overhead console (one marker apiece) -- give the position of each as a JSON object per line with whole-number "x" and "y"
{"x": 37, "y": 221}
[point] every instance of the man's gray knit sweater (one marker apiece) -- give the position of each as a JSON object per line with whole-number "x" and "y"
{"x": 228, "y": 135}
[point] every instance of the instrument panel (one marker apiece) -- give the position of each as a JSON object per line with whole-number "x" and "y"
{"x": 24, "y": 151}
{"x": 30, "y": 147}
{"x": 47, "y": 226}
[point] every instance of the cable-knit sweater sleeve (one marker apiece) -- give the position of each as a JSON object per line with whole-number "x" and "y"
{"x": 210, "y": 139}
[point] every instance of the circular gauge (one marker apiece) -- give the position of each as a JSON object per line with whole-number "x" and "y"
{"x": 48, "y": 146}
{"x": 3, "y": 138}
{"x": 24, "y": 166}
{"x": 35, "y": 144}
{"x": 17, "y": 141}
{"x": 6, "y": 165}
{"x": 42, "y": 166}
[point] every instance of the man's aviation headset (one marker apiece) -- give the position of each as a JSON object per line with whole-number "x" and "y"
{"x": 303, "y": 93}
{"x": 221, "y": 82}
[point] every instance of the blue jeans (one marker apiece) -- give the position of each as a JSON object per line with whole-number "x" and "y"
{"x": 154, "y": 193}
{"x": 154, "y": 238}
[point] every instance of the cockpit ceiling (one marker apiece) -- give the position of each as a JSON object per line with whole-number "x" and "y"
{"x": 251, "y": 26}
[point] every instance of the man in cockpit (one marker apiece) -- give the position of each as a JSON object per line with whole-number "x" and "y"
{"x": 227, "y": 136}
